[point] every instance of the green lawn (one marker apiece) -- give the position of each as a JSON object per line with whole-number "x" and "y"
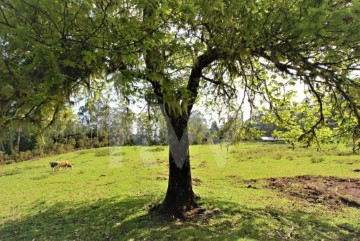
{"x": 107, "y": 195}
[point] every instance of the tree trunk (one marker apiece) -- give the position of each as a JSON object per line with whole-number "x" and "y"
{"x": 2, "y": 147}
{"x": 91, "y": 137}
{"x": 11, "y": 142}
{"x": 17, "y": 146}
{"x": 179, "y": 196}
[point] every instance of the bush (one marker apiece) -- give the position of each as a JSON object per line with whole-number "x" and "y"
{"x": 71, "y": 142}
{"x": 83, "y": 143}
{"x": 104, "y": 142}
{"x": 6, "y": 159}
{"x": 80, "y": 144}
{"x": 24, "y": 156}
{"x": 69, "y": 147}
{"x": 59, "y": 148}
{"x": 38, "y": 152}
{"x": 96, "y": 143}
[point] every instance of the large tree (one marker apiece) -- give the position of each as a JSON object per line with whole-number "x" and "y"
{"x": 170, "y": 52}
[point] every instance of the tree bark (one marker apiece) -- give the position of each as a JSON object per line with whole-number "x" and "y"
{"x": 179, "y": 196}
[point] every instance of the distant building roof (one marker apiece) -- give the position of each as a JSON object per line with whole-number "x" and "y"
{"x": 269, "y": 138}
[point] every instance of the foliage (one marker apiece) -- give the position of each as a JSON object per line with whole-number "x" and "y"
{"x": 96, "y": 127}
{"x": 46, "y": 56}
{"x": 167, "y": 51}
{"x": 198, "y": 130}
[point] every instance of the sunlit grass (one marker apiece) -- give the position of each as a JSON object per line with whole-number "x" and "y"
{"x": 108, "y": 193}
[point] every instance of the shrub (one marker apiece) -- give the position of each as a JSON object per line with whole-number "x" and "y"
{"x": 96, "y": 143}
{"x": 104, "y": 142}
{"x": 26, "y": 155}
{"x": 83, "y": 143}
{"x": 38, "y": 152}
{"x": 80, "y": 144}
{"x": 69, "y": 147}
{"x": 72, "y": 142}
{"x": 59, "y": 148}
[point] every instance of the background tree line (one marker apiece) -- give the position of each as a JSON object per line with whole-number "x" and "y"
{"x": 93, "y": 125}
{"x": 99, "y": 124}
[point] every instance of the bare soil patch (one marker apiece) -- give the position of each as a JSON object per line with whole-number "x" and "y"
{"x": 202, "y": 164}
{"x": 161, "y": 176}
{"x": 333, "y": 192}
{"x": 196, "y": 181}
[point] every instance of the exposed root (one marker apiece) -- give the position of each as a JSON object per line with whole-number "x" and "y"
{"x": 189, "y": 214}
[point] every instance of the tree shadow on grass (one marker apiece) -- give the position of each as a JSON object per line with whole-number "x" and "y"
{"x": 128, "y": 218}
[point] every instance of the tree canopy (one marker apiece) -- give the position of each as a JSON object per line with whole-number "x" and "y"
{"x": 52, "y": 49}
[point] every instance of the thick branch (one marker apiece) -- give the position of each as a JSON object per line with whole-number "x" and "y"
{"x": 194, "y": 80}
{"x": 321, "y": 112}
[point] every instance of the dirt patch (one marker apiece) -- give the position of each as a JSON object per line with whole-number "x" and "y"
{"x": 202, "y": 164}
{"x": 234, "y": 177}
{"x": 150, "y": 164}
{"x": 157, "y": 149}
{"x": 333, "y": 192}
{"x": 160, "y": 178}
{"x": 196, "y": 181}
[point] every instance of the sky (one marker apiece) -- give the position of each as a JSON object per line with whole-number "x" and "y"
{"x": 210, "y": 114}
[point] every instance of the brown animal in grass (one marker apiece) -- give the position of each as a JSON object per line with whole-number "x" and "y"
{"x": 53, "y": 164}
{"x": 61, "y": 164}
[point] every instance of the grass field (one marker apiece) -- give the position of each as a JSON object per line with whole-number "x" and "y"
{"x": 107, "y": 195}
